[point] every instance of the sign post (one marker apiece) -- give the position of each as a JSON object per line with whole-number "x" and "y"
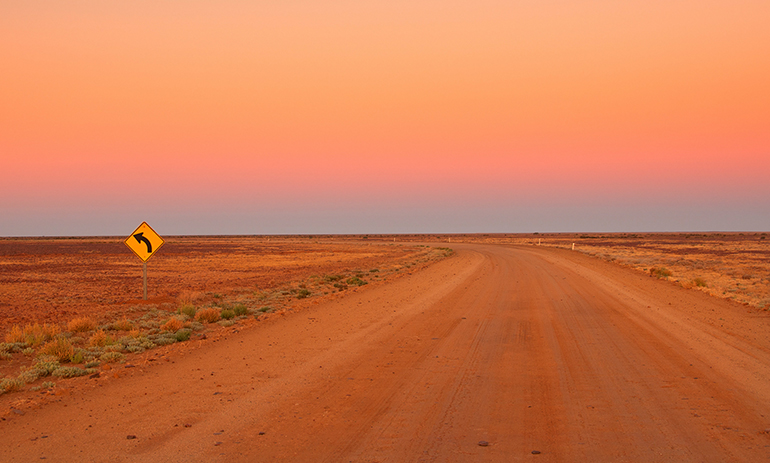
{"x": 144, "y": 242}
{"x": 144, "y": 280}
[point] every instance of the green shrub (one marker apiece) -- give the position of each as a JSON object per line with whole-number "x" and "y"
{"x": 266, "y": 308}
{"x": 303, "y": 293}
{"x": 240, "y": 310}
{"x": 188, "y": 309}
{"x": 77, "y": 357}
{"x": 227, "y": 314}
{"x": 355, "y": 281}
{"x": 700, "y": 282}
{"x": 182, "y": 335}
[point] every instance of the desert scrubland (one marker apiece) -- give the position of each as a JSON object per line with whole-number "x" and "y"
{"x": 362, "y": 348}
{"x": 75, "y": 304}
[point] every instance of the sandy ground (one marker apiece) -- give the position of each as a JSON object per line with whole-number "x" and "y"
{"x": 497, "y": 353}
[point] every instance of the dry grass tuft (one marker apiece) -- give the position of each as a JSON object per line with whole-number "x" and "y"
{"x": 173, "y": 325}
{"x": 15, "y": 334}
{"x": 60, "y": 348}
{"x": 123, "y": 325}
{"x": 32, "y": 334}
{"x": 660, "y": 272}
{"x": 81, "y": 324}
{"x": 209, "y": 315}
{"x": 99, "y": 339}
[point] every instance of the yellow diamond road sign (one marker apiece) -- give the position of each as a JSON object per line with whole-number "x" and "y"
{"x": 144, "y": 242}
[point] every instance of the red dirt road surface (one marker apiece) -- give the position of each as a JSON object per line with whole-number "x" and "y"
{"x": 497, "y": 354}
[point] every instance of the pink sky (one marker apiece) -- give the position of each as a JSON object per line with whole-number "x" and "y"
{"x": 365, "y": 117}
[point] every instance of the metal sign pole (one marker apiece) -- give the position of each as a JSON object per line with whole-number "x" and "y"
{"x": 144, "y": 242}
{"x": 144, "y": 275}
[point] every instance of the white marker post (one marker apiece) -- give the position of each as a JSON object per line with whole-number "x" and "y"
{"x": 573, "y": 246}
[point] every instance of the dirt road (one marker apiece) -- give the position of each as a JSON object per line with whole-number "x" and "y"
{"x": 546, "y": 355}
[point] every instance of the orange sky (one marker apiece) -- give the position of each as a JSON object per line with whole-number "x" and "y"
{"x": 275, "y": 118}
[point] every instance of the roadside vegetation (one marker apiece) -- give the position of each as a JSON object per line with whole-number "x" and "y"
{"x": 86, "y": 345}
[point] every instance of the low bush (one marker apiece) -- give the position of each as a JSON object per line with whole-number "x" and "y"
{"x": 188, "y": 309}
{"x": 99, "y": 339}
{"x": 33, "y": 335}
{"x": 81, "y": 324}
{"x": 209, "y": 315}
{"x": 43, "y": 367}
{"x": 163, "y": 339}
{"x": 10, "y": 385}
{"x": 60, "y": 348}
{"x": 303, "y": 293}
{"x": 355, "y": 281}
{"x": 122, "y": 325}
{"x": 111, "y": 357}
{"x": 78, "y": 356}
{"x": 72, "y": 372}
{"x": 172, "y": 325}
{"x": 240, "y": 310}
{"x": 227, "y": 314}
{"x": 700, "y": 282}
{"x": 182, "y": 335}
{"x": 660, "y": 272}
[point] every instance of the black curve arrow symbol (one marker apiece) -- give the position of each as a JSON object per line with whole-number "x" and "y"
{"x": 140, "y": 237}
